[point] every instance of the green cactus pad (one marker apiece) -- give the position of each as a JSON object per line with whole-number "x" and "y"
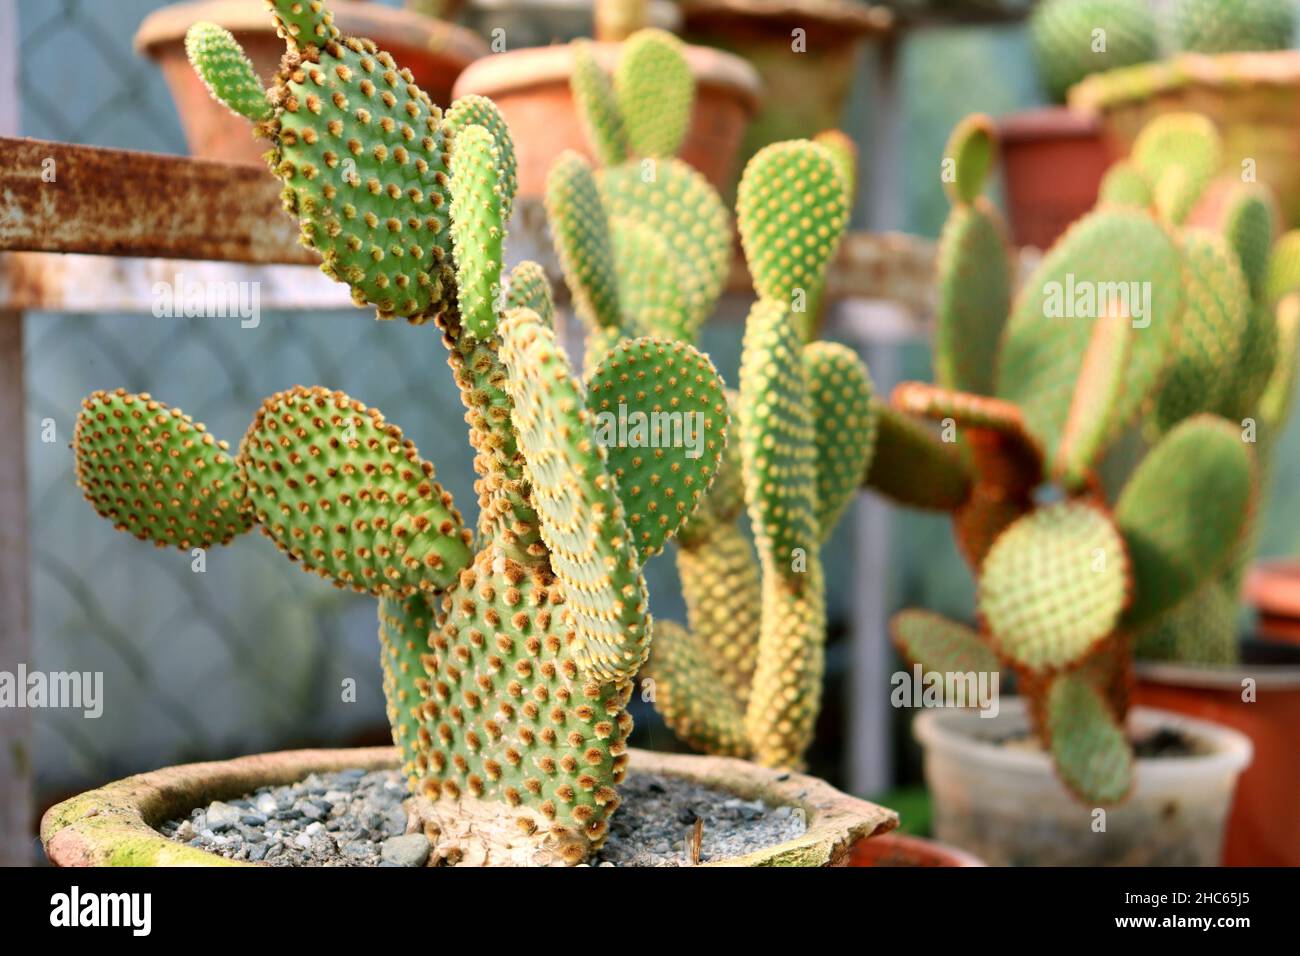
{"x": 475, "y": 110}
{"x": 941, "y": 645}
{"x": 477, "y": 228}
{"x": 995, "y": 425}
{"x": 597, "y": 106}
{"x": 844, "y": 152}
{"x": 1204, "y": 366}
{"x": 1200, "y": 630}
{"x": 576, "y": 497}
{"x": 649, "y": 289}
{"x": 1250, "y": 222}
{"x": 786, "y": 692}
{"x": 361, "y": 152}
{"x": 974, "y": 280}
{"x": 509, "y": 715}
{"x": 1064, "y": 38}
{"x": 690, "y": 697}
{"x": 1089, "y": 748}
{"x": 912, "y": 466}
{"x": 344, "y": 494}
{"x": 679, "y": 205}
{"x": 1100, "y": 384}
{"x": 1109, "y": 259}
{"x": 1232, "y": 26}
{"x": 404, "y": 628}
{"x": 227, "y": 73}
{"x": 845, "y": 423}
{"x": 156, "y": 473}
{"x": 1125, "y": 185}
{"x": 723, "y": 593}
{"x": 1053, "y": 585}
{"x": 656, "y": 91}
{"x": 1175, "y": 541}
{"x": 303, "y": 22}
{"x": 1179, "y": 153}
{"x": 792, "y": 211}
{"x": 971, "y": 149}
{"x": 1284, "y": 266}
{"x": 661, "y": 415}
{"x": 529, "y": 288}
{"x": 777, "y": 437}
{"x": 1275, "y": 403}
{"x": 580, "y": 227}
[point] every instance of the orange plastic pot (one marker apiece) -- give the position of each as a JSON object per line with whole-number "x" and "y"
{"x": 899, "y": 849}
{"x": 434, "y": 51}
{"x": 1264, "y": 825}
{"x": 1053, "y": 161}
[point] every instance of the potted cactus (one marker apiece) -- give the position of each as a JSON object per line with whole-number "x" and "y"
{"x": 536, "y": 90}
{"x": 1121, "y": 402}
{"x": 433, "y": 49}
{"x": 1233, "y": 62}
{"x": 509, "y": 647}
{"x": 1054, "y": 157}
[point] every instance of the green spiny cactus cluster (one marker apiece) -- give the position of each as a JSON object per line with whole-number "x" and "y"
{"x": 1160, "y": 320}
{"x": 509, "y": 647}
{"x": 1228, "y": 26}
{"x": 1074, "y": 38}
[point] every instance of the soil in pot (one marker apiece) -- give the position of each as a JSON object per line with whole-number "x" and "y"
{"x": 355, "y": 818}
{"x": 1264, "y": 827}
{"x": 997, "y": 796}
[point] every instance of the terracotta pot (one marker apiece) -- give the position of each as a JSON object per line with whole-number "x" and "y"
{"x": 114, "y": 825}
{"x": 1273, "y": 587}
{"x": 531, "y": 88}
{"x": 1253, "y": 98}
{"x": 899, "y": 849}
{"x": 1005, "y": 804}
{"x": 434, "y": 51}
{"x": 805, "y": 92}
{"x": 1053, "y": 161}
{"x": 1264, "y": 829}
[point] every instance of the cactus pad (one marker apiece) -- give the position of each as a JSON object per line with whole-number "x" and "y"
{"x": 1125, "y": 185}
{"x": 649, "y": 274}
{"x": 597, "y": 106}
{"x": 690, "y": 697}
{"x": 1179, "y": 153}
{"x": 226, "y": 72}
{"x": 1230, "y": 26}
{"x": 156, "y": 473}
{"x": 655, "y": 90}
{"x": 1064, "y": 37}
{"x": 529, "y": 288}
{"x": 912, "y": 466}
{"x": 404, "y": 628}
{"x": 941, "y": 645}
{"x": 1053, "y": 585}
{"x": 1088, "y": 745}
{"x": 580, "y": 228}
{"x": 974, "y": 280}
{"x": 478, "y": 232}
{"x": 475, "y": 110}
{"x": 661, "y": 415}
{"x": 845, "y": 424}
{"x": 343, "y": 493}
{"x": 970, "y": 149}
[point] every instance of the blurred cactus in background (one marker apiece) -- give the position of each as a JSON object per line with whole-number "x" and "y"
{"x": 1072, "y": 39}
{"x": 1229, "y": 26}
{"x": 1114, "y": 454}
{"x": 508, "y": 648}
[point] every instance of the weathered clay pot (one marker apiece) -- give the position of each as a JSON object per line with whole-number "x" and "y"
{"x": 899, "y": 849}
{"x": 114, "y": 825}
{"x": 1253, "y": 99}
{"x": 531, "y": 89}
{"x": 1264, "y": 828}
{"x": 805, "y": 88}
{"x": 434, "y": 51}
{"x": 1053, "y": 161}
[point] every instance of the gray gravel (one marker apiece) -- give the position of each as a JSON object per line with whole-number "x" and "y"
{"x": 354, "y": 818}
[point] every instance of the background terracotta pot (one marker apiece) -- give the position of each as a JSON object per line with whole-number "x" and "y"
{"x": 900, "y": 849}
{"x": 115, "y": 825}
{"x": 1273, "y": 587}
{"x": 1264, "y": 827}
{"x": 1253, "y": 98}
{"x": 531, "y": 88}
{"x": 434, "y": 51}
{"x": 805, "y": 92}
{"x": 1053, "y": 161}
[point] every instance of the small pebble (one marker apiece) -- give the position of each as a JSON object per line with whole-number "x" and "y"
{"x": 409, "y": 850}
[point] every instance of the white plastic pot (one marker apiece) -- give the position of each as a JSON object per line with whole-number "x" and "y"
{"x": 1005, "y": 804}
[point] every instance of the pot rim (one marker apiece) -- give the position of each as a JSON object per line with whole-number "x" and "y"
{"x": 853, "y": 19}
{"x": 398, "y": 26}
{"x": 1057, "y": 122}
{"x": 1229, "y": 750}
{"x": 1266, "y": 676}
{"x": 535, "y": 66}
{"x": 1273, "y": 586}
{"x": 928, "y": 846}
{"x": 1105, "y": 91}
{"x": 115, "y": 824}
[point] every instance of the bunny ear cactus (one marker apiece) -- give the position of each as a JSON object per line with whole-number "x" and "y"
{"x": 1074, "y": 38}
{"x": 507, "y": 650}
{"x": 1129, "y": 323}
{"x": 1227, "y": 26}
